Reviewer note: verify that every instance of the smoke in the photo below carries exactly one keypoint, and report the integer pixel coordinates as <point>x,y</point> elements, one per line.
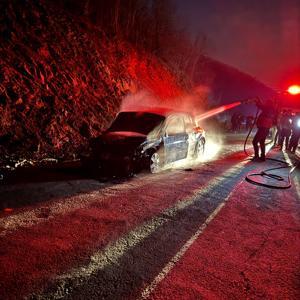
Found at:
<point>140,100</point>
<point>194,102</point>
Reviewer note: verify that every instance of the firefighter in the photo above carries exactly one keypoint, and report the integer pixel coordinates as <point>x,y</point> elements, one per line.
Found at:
<point>278,131</point>
<point>234,122</point>
<point>249,122</point>
<point>265,121</point>
<point>241,121</point>
<point>293,144</point>
<point>285,124</point>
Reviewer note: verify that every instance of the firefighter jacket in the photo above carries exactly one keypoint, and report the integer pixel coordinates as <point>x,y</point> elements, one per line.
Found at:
<point>267,118</point>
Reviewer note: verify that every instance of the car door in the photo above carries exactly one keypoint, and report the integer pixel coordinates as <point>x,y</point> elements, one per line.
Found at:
<point>192,134</point>
<point>175,139</point>
<point>184,138</point>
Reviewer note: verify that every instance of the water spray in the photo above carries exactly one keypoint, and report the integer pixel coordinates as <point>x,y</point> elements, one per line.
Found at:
<point>218,110</point>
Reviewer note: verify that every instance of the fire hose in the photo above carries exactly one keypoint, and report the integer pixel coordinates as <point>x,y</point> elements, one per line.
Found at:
<point>266,173</point>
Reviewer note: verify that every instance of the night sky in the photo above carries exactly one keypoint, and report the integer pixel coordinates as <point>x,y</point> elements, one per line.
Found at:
<point>259,37</point>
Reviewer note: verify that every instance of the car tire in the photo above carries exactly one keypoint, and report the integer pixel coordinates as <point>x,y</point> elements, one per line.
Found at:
<point>155,162</point>
<point>200,147</point>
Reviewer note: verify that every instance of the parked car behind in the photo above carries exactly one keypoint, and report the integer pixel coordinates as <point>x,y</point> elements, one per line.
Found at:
<point>147,139</point>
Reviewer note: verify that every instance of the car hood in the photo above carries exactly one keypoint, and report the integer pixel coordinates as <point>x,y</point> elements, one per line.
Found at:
<point>123,138</point>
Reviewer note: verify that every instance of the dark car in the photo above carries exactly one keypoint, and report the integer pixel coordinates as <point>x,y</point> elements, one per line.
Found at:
<point>148,139</point>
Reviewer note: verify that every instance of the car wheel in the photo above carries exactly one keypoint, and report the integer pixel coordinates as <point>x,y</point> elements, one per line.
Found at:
<point>155,162</point>
<point>200,148</point>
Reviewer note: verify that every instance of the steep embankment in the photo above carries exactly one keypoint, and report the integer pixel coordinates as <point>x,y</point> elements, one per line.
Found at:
<point>62,80</point>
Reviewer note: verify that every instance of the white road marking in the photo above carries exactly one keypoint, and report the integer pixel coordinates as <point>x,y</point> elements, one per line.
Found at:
<point>114,251</point>
<point>296,182</point>
<point>171,264</point>
<point>297,186</point>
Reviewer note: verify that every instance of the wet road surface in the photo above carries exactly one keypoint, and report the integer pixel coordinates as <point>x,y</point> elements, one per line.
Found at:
<point>199,232</point>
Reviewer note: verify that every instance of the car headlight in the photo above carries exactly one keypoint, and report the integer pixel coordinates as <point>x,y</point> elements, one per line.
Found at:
<point>298,122</point>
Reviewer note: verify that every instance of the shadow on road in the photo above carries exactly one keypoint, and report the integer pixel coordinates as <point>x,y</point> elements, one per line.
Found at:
<point>27,186</point>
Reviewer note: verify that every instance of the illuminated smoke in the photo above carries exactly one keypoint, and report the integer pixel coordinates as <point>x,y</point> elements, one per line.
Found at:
<point>140,100</point>
<point>193,102</point>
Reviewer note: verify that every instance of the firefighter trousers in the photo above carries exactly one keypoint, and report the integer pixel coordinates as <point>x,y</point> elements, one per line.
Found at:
<point>260,138</point>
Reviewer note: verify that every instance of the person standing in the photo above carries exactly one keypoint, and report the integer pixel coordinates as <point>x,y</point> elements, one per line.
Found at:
<point>242,121</point>
<point>265,121</point>
<point>294,141</point>
<point>285,130</point>
<point>278,130</point>
<point>234,122</point>
<point>249,122</point>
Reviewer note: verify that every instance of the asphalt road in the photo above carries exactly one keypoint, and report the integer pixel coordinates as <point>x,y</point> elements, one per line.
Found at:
<point>195,232</point>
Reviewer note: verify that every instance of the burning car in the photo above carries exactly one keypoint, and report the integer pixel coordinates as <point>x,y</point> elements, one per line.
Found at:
<point>148,139</point>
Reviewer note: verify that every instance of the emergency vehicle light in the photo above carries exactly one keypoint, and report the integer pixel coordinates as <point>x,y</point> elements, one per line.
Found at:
<point>294,89</point>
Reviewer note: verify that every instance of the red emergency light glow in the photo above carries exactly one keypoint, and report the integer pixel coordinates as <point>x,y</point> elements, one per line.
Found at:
<point>216,111</point>
<point>294,89</point>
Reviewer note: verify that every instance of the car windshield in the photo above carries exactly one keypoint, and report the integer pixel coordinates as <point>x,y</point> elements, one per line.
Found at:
<point>141,122</point>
